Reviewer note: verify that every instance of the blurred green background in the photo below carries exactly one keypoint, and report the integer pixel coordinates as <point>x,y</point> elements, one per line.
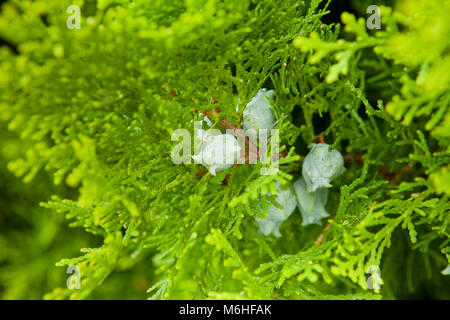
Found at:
<point>33,239</point>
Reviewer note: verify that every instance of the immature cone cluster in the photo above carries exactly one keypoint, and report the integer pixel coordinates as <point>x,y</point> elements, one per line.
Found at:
<point>321,166</point>
<point>276,216</point>
<point>257,114</point>
<point>311,204</point>
<point>311,194</point>
<point>217,152</point>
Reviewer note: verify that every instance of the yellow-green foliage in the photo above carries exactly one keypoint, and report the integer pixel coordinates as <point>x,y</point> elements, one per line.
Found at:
<point>94,108</point>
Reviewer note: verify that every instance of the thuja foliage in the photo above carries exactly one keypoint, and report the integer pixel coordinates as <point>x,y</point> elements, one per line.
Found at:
<point>87,117</point>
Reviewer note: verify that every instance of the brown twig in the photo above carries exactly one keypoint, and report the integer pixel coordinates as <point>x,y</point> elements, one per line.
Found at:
<point>320,238</point>
<point>320,139</point>
<point>200,174</point>
<point>225,180</point>
<point>170,90</point>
